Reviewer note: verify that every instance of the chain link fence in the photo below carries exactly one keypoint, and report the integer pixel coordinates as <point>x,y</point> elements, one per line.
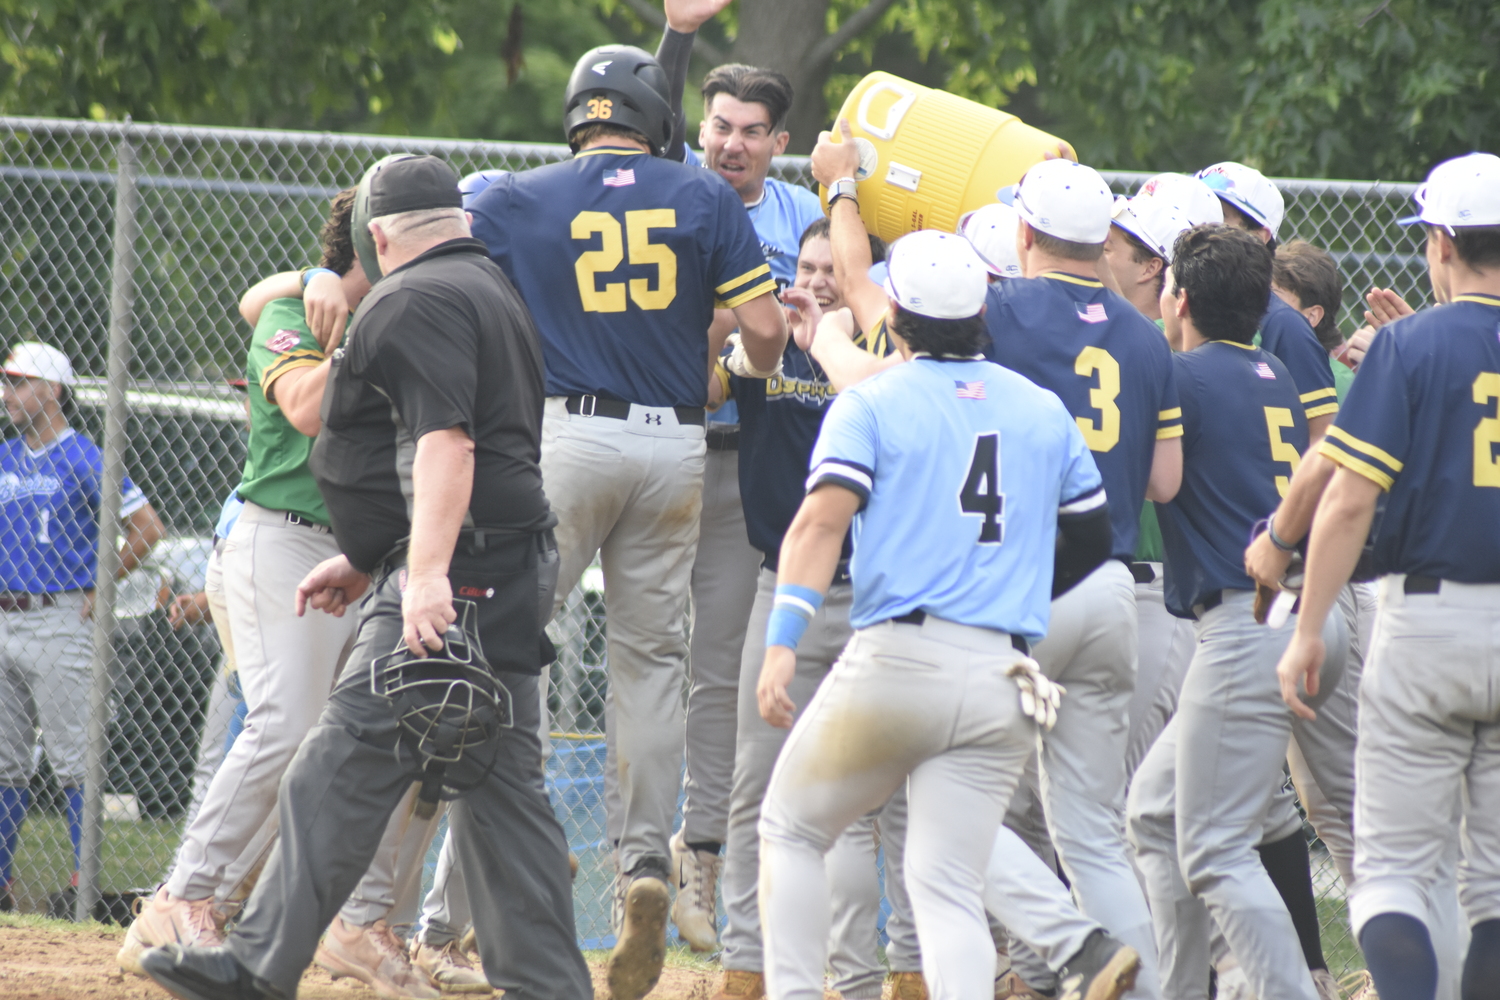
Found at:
<point>127,248</point>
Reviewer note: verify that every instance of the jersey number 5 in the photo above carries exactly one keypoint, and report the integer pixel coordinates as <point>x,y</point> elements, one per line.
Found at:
<point>1487,433</point>
<point>1278,418</point>
<point>591,263</point>
<point>980,494</point>
<point>1106,433</point>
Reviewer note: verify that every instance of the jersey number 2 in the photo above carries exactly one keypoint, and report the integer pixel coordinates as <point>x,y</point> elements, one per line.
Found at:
<point>591,263</point>
<point>981,494</point>
<point>1487,432</point>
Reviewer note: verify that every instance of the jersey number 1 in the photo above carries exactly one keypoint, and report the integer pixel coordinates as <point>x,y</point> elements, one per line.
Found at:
<point>981,494</point>
<point>638,226</point>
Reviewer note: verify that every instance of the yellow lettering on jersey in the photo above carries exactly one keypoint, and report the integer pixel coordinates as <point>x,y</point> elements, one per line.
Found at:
<point>638,226</point>
<point>1106,433</point>
<point>1278,418</point>
<point>610,298</point>
<point>600,107</point>
<point>1487,433</point>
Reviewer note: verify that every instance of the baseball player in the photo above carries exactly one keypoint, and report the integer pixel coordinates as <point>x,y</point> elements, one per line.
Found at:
<point>1419,428</point>
<point>1064,330</point>
<point>623,452</point>
<point>1200,799</point>
<point>926,691</point>
<point>49,532</point>
<point>1252,203</point>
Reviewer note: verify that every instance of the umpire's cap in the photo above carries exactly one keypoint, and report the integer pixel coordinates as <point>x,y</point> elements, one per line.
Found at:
<point>620,85</point>
<point>401,182</point>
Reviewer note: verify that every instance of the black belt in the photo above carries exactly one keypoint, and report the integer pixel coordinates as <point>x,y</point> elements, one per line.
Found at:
<point>917,617</point>
<point>1143,572</point>
<point>618,409</point>
<point>1416,583</point>
<point>13,601</point>
<point>722,437</point>
<point>1210,600</point>
<point>303,522</point>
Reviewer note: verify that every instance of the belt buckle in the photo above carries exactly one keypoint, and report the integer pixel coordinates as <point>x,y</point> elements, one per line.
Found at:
<point>592,404</point>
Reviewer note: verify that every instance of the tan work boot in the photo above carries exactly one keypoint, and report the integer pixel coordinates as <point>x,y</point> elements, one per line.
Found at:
<point>635,964</point>
<point>376,957</point>
<point>450,968</point>
<point>736,984</point>
<point>694,911</point>
<point>164,919</point>
<point>908,986</point>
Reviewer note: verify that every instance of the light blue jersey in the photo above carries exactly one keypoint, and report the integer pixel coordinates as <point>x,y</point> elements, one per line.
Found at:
<point>780,218</point>
<point>963,467</point>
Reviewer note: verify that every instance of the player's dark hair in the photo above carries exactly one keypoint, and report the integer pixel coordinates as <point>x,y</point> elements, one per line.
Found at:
<point>1140,253</point>
<point>820,230</point>
<point>751,85</point>
<point>581,137</point>
<point>1477,246</point>
<point>1226,273</point>
<point>1067,249</point>
<point>1310,273</point>
<point>955,338</point>
<point>335,238</point>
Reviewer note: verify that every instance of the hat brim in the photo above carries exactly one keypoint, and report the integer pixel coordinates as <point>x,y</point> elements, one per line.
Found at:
<point>1410,220</point>
<point>18,374</point>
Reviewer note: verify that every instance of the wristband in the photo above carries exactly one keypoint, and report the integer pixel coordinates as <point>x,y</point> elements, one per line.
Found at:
<point>790,614</point>
<point>1276,539</point>
<point>844,187</point>
<point>312,272</point>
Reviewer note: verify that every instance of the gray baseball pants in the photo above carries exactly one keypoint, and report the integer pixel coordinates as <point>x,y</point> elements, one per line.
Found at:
<point>1200,801</point>
<point>336,802</point>
<point>46,667</point>
<point>631,491</point>
<point>1164,645</point>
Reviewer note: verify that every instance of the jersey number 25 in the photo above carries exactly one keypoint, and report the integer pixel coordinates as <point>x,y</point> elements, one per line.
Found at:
<point>637,230</point>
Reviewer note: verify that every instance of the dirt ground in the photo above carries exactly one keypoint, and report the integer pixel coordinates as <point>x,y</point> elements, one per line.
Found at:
<point>50,960</point>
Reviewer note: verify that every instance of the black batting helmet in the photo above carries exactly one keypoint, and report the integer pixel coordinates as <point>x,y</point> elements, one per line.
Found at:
<point>620,85</point>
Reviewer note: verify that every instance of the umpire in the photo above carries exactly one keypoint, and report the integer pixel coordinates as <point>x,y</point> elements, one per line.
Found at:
<point>429,464</point>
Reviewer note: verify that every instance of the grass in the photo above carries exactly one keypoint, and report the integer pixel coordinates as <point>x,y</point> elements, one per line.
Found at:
<point>135,856</point>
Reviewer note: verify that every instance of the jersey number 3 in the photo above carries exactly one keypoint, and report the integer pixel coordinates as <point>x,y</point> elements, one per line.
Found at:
<point>592,263</point>
<point>1106,433</point>
<point>980,494</point>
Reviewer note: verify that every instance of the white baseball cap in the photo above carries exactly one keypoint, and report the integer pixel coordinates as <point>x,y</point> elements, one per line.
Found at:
<point>992,231</point>
<point>30,359</point>
<point>937,275</point>
<point>1464,191</point>
<point>1164,207</point>
<point>1248,190</point>
<point>1067,200</point>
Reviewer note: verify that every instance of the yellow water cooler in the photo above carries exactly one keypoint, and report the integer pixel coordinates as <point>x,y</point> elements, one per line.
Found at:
<point>937,156</point>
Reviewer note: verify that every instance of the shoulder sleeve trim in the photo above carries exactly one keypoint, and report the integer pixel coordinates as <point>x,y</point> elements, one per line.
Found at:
<point>850,475</point>
<point>1323,409</point>
<point>1092,500</point>
<point>740,298</point>
<point>1343,458</point>
<point>1175,413</point>
<point>1308,397</point>
<point>1349,441</point>
<point>747,276</point>
<point>1168,432</point>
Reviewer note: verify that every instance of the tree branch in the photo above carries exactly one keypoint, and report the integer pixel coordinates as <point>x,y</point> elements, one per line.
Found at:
<point>858,23</point>
<point>706,51</point>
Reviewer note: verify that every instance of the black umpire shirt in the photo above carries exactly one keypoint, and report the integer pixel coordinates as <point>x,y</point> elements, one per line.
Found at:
<point>442,341</point>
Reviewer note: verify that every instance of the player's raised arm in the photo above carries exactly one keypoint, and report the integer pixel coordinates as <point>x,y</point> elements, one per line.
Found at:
<point>833,162</point>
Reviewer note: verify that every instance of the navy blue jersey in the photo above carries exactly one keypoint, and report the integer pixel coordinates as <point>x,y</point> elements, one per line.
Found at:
<point>621,258</point>
<point>1243,434</point>
<point>779,423</point>
<point>1109,365</point>
<point>780,217</point>
<point>1286,333</point>
<point>1421,420</point>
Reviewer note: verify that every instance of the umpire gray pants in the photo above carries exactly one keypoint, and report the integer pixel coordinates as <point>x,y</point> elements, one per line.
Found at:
<point>342,788</point>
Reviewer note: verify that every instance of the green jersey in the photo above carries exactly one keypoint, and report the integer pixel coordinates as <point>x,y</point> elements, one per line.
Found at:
<point>276,473</point>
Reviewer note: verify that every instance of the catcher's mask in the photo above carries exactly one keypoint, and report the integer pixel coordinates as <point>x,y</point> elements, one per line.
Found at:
<point>448,704</point>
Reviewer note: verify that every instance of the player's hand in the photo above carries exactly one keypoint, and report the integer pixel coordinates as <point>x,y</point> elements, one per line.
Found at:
<point>1298,672</point>
<point>188,609</point>
<point>832,161</point>
<point>776,672</point>
<point>1265,563</point>
<point>804,316</point>
<point>426,612</point>
<point>1358,344</point>
<point>327,309</point>
<point>1040,696</point>
<point>835,326</point>
<point>1385,307</point>
<point>687,16</point>
<point>332,586</point>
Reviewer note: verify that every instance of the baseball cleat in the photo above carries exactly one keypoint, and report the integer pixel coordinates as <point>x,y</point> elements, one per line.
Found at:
<point>450,968</point>
<point>1011,986</point>
<point>204,974</point>
<point>737,984</point>
<point>697,877</point>
<point>376,957</point>
<point>1103,969</point>
<point>908,986</point>
<point>164,919</point>
<point>635,964</point>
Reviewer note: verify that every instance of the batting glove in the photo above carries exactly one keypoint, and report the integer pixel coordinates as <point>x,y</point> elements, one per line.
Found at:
<point>1040,696</point>
<point>738,361</point>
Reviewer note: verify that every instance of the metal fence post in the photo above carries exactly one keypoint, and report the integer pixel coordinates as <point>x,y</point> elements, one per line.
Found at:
<point>121,322</point>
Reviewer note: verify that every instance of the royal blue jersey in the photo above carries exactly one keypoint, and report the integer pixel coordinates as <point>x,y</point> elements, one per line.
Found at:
<point>49,513</point>
<point>621,258</point>
<point>1109,365</point>
<point>779,423</point>
<point>1286,333</point>
<point>963,468</point>
<point>1422,422</point>
<point>1243,434</point>
<point>780,217</point>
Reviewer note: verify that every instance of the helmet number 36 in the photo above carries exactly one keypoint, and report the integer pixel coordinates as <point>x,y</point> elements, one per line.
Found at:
<point>600,108</point>
<point>613,240</point>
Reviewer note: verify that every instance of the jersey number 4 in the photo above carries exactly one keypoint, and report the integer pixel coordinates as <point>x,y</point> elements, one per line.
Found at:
<point>980,494</point>
<point>637,232</point>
